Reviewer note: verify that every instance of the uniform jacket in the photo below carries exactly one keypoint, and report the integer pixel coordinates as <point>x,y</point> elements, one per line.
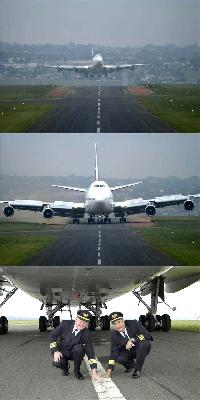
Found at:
<point>135,331</point>
<point>62,339</point>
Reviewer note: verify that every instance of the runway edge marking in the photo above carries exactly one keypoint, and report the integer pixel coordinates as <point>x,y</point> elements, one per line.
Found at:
<point>106,390</point>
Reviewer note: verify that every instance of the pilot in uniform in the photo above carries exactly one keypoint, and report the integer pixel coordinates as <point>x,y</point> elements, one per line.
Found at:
<point>71,340</point>
<point>129,345</point>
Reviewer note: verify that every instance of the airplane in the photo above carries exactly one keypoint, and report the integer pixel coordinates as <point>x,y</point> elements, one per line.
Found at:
<point>97,67</point>
<point>99,203</point>
<point>59,287</point>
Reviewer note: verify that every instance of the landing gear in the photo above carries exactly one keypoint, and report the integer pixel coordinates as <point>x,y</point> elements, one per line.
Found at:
<point>56,321</point>
<point>3,325</point>
<point>122,219</point>
<point>93,324</point>
<point>43,324</point>
<point>105,323</point>
<point>151,320</point>
<point>76,221</point>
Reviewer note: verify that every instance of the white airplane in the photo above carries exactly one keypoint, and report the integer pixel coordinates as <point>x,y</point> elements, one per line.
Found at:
<point>59,287</point>
<point>97,67</point>
<point>99,203</point>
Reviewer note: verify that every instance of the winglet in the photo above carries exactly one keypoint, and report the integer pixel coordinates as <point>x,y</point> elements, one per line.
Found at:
<point>96,164</point>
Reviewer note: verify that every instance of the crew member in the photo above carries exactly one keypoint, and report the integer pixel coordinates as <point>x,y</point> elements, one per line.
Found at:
<point>129,345</point>
<point>71,340</point>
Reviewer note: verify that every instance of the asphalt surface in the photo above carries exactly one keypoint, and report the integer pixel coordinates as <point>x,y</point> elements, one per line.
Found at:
<point>104,244</point>
<point>170,371</point>
<point>95,109</point>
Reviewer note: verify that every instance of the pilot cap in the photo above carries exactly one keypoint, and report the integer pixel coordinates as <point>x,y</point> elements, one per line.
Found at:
<point>84,315</point>
<point>115,316</point>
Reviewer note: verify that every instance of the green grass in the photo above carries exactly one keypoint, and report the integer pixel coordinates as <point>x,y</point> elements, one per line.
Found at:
<point>22,92</point>
<point>178,112</point>
<point>190,326</point>
<point>18,117</point>
<point>179,237</point>
<point>18,251</point>
<point>23,322</point>
<point>22,226</point>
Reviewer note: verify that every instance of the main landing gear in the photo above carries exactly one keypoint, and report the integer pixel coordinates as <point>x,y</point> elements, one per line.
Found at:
<point>3,319</point>
<point>76,221</point>
<point>122,219</point>
<point>98,319</point>
<point>99,220</point>
<point>151,321</point>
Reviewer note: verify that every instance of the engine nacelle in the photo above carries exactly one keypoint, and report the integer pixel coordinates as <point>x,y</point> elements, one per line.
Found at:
<point>8,211</point>
<point>132,67</point>
<point>189,205</point>
<point>150,210</point>
<point>59,69</point>
<point>48,213</point>
<point>117,68</point>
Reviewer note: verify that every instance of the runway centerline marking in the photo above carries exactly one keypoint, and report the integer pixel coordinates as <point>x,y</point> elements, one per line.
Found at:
<point>106,390</point>
<point>99,261</point>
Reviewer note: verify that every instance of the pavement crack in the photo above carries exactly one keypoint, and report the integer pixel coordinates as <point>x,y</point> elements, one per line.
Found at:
<point>167,389</point>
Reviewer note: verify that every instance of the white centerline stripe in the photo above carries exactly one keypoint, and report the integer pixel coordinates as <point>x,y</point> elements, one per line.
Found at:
<point>99,261</point>
<point>106,390</point>
<point>98,130</point>
<point>99,248</point>
<point>99,254</point>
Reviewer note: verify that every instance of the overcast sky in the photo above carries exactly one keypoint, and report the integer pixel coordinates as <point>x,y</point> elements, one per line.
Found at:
<point>101,22</point>
<point>187,307</point>
<point>132,155</point>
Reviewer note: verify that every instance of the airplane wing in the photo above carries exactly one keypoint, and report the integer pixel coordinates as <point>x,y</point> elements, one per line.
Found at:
<point>120,67</point>
<point>49,210</point>
<point>124,186</point>
<point>71,188</point>
<point>75,68</point>
<point>137,206</point>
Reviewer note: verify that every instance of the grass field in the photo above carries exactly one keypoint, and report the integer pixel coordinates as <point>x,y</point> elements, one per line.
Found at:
<point>19,117</point>
<point>174,105</point>
<point>190,326</point>
<point>179,237</point>
<point>21,92</point>
<point>18,251</point>
<point>22,226</point>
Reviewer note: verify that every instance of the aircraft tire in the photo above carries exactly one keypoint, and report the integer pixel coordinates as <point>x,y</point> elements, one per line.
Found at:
<point>42,324</point>
<point>56,321</point>
<point>166,323</point>
<point>3,325</point>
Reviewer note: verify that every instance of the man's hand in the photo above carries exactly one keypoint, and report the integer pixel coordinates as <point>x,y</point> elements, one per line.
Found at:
<point>95,375</point>
<point>57,356</point>
<point>108,373</point>
<point>129,344</point>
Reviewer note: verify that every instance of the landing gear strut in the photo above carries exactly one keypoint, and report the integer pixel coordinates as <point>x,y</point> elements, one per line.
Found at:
<point>151,320</point>
<point>76,220</point>
<point>122,219</point>
<point>3,319</point>
<point>98,319</point>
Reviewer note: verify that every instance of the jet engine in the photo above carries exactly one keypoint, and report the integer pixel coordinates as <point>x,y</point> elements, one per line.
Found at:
<point>189,205</point>
<point>48,213</point>
<point>8,211</point>
<point>59,69</point>
<point>150,210</point>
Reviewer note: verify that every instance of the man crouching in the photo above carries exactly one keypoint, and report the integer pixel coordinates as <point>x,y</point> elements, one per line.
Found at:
<point>71,340</point>
<point>130,345</point>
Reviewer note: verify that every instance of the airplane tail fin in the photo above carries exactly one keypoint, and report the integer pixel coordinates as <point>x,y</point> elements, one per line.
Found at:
<point>96,164</point>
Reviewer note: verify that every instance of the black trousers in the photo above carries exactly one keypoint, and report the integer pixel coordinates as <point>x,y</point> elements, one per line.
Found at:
<point>76,354</point>
<point>138,352</point>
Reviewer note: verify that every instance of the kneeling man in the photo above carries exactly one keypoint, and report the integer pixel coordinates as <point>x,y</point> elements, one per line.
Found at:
<point>71,340</point>
<point>130,345</point>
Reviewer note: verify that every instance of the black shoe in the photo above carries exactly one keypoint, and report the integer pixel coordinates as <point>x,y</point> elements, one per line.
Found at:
<point>79,375</point>
<point>136,373</point>
<point>65,372</point>
<point>128,369</point>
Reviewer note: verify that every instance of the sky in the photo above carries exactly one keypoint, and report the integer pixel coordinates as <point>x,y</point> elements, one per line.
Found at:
<point>187,307</point>
<point>100,22</point>
<point>132,155</point>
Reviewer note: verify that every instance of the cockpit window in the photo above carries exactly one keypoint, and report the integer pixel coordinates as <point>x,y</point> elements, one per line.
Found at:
<point>99,185</point>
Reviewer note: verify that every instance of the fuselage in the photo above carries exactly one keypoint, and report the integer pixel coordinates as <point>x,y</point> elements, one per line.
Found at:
<point>97,62</point>
<point>99,199</point>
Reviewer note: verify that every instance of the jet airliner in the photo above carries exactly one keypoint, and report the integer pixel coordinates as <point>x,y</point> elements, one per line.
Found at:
<point>97,67</point>
<point>99,203</point>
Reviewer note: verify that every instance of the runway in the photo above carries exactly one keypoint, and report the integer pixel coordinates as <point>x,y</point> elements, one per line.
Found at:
<point>170,371</point>
<point>98,109</point>
<point>88,245</point>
